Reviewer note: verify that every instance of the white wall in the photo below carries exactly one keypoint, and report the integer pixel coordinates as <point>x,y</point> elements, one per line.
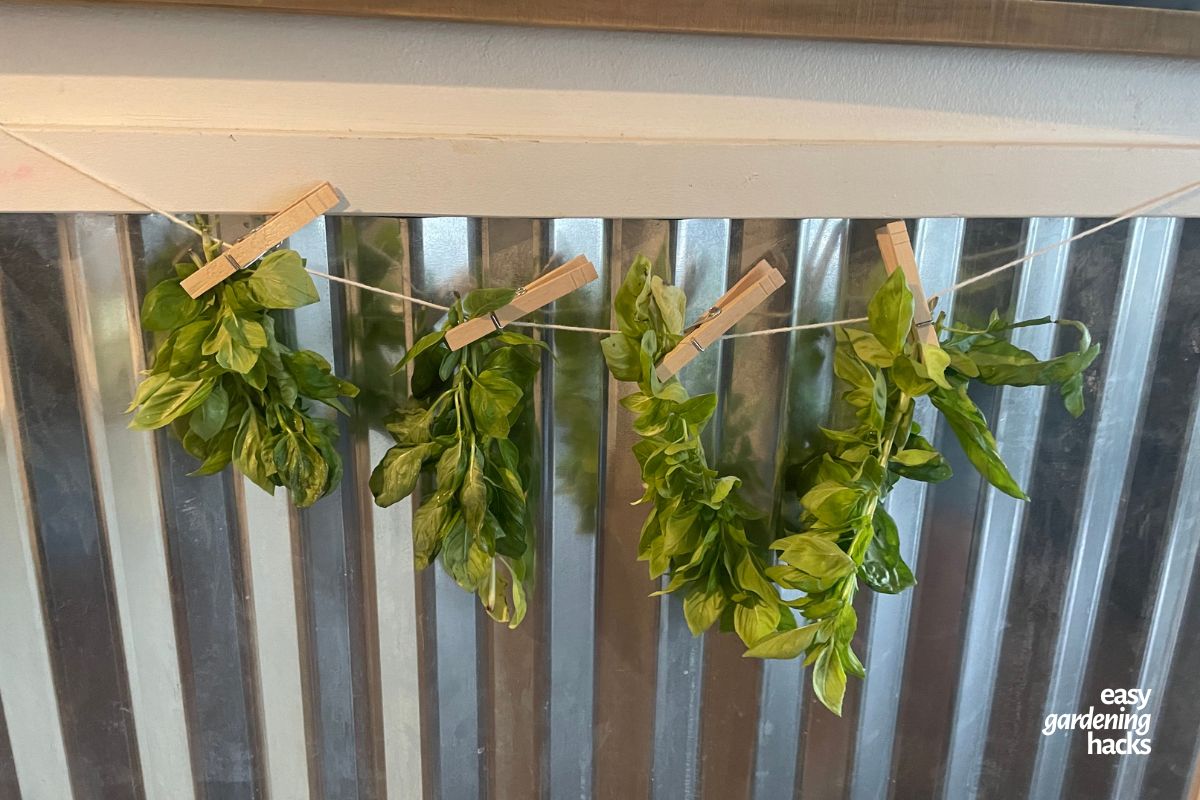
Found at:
<point>227,111</point>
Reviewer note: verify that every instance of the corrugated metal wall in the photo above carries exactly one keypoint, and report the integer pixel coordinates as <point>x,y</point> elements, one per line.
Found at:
<point>168,636</point>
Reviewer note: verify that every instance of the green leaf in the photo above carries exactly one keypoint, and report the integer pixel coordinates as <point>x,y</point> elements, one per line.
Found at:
<point>209,418</point>
<point>890,313</point>
<point>829,677</point>
<point>868,347</point>
<point>493,398</point>
<point>883,568</point>
<point>818,557</point>
<point>753,622</point>
<point>485,301</point>
<point>314,378</point>
<point>623,357</point>
<point>971,430</point>
<point>671,303</point>
<point>395,476</point>
<point>185,348</point>
<point>784,644</point>
<point>410,426</point>
<point>235,342</point>
<point>935,361</point>
<point>171,399</point>
<point>300,468</point>
<point>831,503</point>
<point>701,609</point>
<point>149,385</point>
<point>250,454</point>
<point>914,458</point>
<point>168,306</point>
<point>428,522</point>
<point>933,470</point>
<point>424,343</point>
<point>697,411</point>
<point>629,303</point>
<point>722,488</point>
<point>279,281</point>
<point>473,494</point>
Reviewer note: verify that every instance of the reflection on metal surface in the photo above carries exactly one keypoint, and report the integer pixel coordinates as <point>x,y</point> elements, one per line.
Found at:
<point>99,300</point>
<point>193,631</point>
<point>1149,263</point>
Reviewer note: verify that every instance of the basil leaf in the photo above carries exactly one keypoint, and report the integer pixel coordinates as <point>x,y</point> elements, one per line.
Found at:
<point>172,399</point>
<point>485,301</point>
<point>395,477</point>
<point>493,399</point>
<point>784,644</point>
<point>890,313</point>
<point>209,418</point>
<point>970,428</point>
<point>883,569</point>
<point>279,281</point>
<point>167,306</point>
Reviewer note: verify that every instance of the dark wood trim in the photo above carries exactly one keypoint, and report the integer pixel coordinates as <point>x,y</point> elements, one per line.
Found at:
<point>1043,24</point>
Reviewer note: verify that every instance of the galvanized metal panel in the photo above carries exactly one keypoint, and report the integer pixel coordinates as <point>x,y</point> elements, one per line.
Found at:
<point>27,686</point>
<point>1150,260</point>
<point>700,266</point>
<point>446,260</point>
<point>376,252</point>
<point>212,615</point>
<point>814,292</point>
<point>86,655</point>
<point>626,617</point>
<point>100,290</point>
<point>1041,283</point>
<point>576,386</point>
<point>332,555</point>
<point>313,660</point>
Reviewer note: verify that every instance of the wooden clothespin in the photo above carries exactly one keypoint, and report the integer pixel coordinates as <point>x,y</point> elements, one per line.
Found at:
<point>258,241</point>
<point>753,287</point>
<point>898,252</point>
<point>544,290</point>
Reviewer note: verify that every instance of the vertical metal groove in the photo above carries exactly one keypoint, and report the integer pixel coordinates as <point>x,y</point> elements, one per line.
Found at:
<point>26,678</point>
<point>626,618</point>
<point>274,599</point>
<point>820,261</point>
<point>376,252</point>
<point>751,416</point>
<point>998,529</point>
<point>99,283</point>
<point>513,711</point>
<point>937,245</point>
<point>575,434</point>
<point>86,655</point>
<point>445,260</point>
<point>700,264</point>
<point>1150,262</point>
<point>1174,582</point>
<point>207,586</point>
<point>333,555</point>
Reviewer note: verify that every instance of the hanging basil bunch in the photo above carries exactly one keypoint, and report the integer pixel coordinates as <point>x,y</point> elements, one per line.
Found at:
<point>696,529</point>
<point>231,391</point>
<point>846,533</point>
<point>465,423</point>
